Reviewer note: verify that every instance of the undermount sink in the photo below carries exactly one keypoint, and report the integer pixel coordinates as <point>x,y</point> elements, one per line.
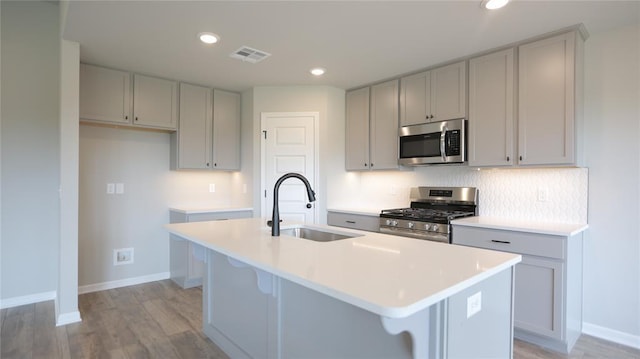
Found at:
<point>314,234</point>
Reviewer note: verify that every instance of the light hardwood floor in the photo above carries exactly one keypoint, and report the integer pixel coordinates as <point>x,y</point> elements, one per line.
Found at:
<point>161,320</point>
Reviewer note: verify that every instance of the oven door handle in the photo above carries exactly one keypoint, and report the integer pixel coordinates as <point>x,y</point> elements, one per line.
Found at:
<point>443,136</point>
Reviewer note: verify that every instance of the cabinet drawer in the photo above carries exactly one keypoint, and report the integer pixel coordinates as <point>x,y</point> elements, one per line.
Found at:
<point>542,245</point>
<point>217,216</point>
<point>354,221</point>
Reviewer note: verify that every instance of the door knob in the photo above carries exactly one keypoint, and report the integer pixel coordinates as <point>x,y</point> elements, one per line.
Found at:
<point>308,205</point>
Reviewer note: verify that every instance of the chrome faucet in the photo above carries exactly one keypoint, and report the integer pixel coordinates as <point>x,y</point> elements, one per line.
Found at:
<point>275,217</point>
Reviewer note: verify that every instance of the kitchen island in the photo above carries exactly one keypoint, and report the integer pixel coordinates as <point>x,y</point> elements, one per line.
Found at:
<point>371,295</point>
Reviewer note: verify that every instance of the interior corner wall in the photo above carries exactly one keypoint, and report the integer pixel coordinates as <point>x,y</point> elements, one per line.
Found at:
<point>612,146</point>
<point>30,148</point>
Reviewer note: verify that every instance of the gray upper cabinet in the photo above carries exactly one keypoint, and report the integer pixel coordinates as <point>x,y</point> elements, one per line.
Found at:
<point>372,127</point>
<point>383,145</point>
<point>194,138</point>
<point>548,101</point>
<point>105,94</point>
<point>492,109</point>
<point>435,95</point>
<point>226,130</point>
<point>357,130</point>
<point>208,136</point>
<point>155,102</point>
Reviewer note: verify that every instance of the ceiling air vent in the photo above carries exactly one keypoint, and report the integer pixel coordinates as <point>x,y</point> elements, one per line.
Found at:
<point>245,53</point>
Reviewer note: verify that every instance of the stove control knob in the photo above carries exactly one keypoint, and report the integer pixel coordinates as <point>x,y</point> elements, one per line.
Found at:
<point>388,222</point>
<point>410,224</point>
<point>435,227</point>
<point>427,226</point>
<point>394,223</point>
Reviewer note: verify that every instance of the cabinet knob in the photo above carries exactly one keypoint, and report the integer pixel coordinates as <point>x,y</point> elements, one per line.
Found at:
<point>372,165</point>
<point>366,165</point>
<point>431,116</point>
<point>308,205</point>
<point>508,158</point>
<point>136,118</point>
<point>126,117</point>
<point>520,158</point>
<point>207,164</point>
<point>215,165</point>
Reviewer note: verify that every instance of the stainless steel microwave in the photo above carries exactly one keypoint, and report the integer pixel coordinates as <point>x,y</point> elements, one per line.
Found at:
<point>432,143</point>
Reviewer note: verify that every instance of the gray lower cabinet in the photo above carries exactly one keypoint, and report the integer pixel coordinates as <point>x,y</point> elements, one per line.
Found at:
<point>548,282</point>
<point>362,222</point>
<point>187,258</point>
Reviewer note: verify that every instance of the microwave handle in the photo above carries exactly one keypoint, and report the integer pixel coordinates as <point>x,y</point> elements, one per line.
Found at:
<point>443,136</point>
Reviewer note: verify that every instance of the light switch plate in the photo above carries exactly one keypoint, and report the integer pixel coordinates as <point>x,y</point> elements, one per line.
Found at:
<point>119,188</point>
<point>212,187</point>
<point>474,304</point>
<point>111,188</point>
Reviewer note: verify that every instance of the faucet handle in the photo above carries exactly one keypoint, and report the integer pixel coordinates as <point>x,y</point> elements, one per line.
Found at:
<point>270,223</point>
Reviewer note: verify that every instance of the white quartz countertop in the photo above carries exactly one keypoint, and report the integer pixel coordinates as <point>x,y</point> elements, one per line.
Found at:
<point>552,228</point>
<point>358,211</point>
<point>198,210</point>
<point>388,275</point>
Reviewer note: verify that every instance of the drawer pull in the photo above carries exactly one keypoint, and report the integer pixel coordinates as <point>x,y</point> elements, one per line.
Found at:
<point>351,222</point>
<point>503,242</point>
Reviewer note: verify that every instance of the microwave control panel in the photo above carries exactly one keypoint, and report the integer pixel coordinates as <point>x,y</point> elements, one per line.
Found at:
<point>452,140</point>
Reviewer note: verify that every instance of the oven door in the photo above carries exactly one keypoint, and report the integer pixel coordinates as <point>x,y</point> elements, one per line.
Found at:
<point>404,232</point>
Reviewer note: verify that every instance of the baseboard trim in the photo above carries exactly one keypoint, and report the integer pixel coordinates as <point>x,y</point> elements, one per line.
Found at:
<point>123,283</point>
<point>27,299</point>
<point>611,335</point>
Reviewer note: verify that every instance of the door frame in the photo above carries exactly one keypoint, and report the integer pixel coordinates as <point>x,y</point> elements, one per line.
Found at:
<point>264,118</point>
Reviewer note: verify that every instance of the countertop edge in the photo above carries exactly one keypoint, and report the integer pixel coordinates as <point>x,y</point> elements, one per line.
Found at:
<point>186,210</point>
<point>550,228</point>
<point>360,212</point>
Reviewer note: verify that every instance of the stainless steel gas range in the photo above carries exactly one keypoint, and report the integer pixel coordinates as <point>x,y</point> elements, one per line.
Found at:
<point>430,214</point>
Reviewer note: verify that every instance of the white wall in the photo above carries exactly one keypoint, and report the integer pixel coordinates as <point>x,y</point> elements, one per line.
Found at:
<point>30,148</point>
<point>329,102</point>
<point>612,145</point>
<point>140,160</point>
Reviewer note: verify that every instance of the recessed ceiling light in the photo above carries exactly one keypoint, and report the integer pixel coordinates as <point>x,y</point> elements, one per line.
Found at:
<point>318,71</point>
<point>493,4</point>
<point>208,37</point>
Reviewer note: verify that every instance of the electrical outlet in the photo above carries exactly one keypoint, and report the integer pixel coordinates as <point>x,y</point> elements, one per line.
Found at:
<point>212,187</point>
<point>122,256</point>
<point>111,188</point>
<point>543,194</point>
<point>474,304</point>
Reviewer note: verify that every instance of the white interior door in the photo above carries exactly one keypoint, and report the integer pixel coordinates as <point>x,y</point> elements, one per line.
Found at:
<point>289,145</point>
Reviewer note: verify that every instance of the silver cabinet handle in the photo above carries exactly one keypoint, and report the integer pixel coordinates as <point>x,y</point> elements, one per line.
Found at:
<point>351,222</point>
<point>501,242</point>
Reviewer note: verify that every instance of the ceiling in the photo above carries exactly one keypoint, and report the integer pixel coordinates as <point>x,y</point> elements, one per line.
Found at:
<point>358,42</point>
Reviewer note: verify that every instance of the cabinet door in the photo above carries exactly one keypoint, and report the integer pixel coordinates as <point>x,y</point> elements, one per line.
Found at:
<point>155,102</point>
<point>357,130</point>
<point>546,101</point>
<point>415,99</point>
<point>194,130</point>
<point>491,109</point>
<point>226,130</point>
<point>448,92</point>
<point>539,296</point>
<point>383,142</point>
<point>105,94</point>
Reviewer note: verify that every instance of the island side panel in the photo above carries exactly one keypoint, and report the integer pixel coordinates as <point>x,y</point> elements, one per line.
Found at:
<point>316,325</point>
<point>480,319</point>
<point>236,313</point>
